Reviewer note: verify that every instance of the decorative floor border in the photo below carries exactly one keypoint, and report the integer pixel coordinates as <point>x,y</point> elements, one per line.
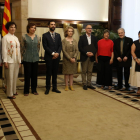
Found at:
<point>23,127</point>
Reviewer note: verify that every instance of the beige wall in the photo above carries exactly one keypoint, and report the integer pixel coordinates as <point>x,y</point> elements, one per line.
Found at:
<point>20,15</point>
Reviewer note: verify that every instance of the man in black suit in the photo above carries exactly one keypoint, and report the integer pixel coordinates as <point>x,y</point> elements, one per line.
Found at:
<point>122,52</point>
<point>52,46</point>
<point>87,57</point>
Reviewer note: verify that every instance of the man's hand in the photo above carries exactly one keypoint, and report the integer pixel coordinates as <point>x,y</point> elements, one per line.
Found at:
<point>119,59</point>
<point>125,59</point>
<point>89,54</point>
<point>6,65</point>
<point>56,55</point>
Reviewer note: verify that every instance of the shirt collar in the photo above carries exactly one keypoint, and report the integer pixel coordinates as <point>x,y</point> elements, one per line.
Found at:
<point>88,36</point>
<point>11,34</point>
<point>51,33</point>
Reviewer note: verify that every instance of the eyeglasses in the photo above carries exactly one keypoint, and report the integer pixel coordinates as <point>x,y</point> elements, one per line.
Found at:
<point>89,28</point>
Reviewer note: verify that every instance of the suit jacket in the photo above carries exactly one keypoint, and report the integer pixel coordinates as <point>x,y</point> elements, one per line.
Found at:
<point>50,46</point>
<point>126,51</point>
<point>83,41</point>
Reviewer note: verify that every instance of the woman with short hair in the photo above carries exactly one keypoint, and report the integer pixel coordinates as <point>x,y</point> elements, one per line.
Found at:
<point>104,58</point>
<point>30,46</point>
<point>70,53</point>
<point>11,58</point>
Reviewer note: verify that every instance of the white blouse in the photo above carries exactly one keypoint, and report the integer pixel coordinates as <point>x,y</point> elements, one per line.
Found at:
<point>10,44</point>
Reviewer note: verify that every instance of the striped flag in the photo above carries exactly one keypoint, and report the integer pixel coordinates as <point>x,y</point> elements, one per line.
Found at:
<point>6,16</point>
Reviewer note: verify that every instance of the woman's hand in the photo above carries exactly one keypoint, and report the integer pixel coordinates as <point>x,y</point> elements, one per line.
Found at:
<point>72,60</point>
<point>96,60</point>
<point>138,61</point>
<point>6,65</point>
<point>111,61</point>
<point>19,65</point>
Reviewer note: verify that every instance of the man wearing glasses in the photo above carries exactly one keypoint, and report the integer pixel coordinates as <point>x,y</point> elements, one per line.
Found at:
<point>87,47</point>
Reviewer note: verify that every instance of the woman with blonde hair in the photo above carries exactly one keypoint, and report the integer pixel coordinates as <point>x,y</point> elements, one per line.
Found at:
<point>70,52</point>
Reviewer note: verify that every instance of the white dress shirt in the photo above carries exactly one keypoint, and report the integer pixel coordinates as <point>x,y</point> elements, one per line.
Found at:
<point>10,44</point>
<point>89,39</point>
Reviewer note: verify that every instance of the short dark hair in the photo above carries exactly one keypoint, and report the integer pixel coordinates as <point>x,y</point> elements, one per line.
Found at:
<point>138,32</point>
<point>8,24</point>
<point>29,26</point>
<point>51,21</point>
<point>106,31</point>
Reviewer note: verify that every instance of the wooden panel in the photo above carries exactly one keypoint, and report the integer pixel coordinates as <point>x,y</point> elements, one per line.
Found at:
<point>115,10</point>
<point>59,22</point>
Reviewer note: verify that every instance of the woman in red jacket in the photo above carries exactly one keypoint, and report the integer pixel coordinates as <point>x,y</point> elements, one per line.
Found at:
<point>104,58</point>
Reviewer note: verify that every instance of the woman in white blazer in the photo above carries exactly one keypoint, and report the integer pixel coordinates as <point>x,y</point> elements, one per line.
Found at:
<point>11,58</point>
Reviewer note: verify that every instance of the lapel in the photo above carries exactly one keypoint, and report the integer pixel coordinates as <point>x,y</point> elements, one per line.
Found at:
<point>92,40</point>
<point>49,35</point>
<point>86,39</point>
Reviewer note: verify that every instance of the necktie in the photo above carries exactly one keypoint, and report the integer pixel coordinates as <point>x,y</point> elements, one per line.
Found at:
<point>53,37</point>
<point>121,47</point>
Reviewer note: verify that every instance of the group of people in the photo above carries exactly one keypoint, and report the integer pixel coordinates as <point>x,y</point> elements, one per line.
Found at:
<point>104,52</point>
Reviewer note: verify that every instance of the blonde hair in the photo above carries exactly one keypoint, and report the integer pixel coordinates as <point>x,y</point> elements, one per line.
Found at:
<point>66,30</point>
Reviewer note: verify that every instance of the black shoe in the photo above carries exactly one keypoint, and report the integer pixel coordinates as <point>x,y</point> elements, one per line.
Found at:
<point>47,91</point>
<point>127,88</point>
<point>85,87</point>
<point>56,90</point>
<point>91,87</point>
<point>26,94</point>
<point>118,88</point>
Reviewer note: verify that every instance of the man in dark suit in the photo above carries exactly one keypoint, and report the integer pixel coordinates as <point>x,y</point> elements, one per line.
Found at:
<point>87,57</point>
<point>52,46</point>
<point>122,52</point>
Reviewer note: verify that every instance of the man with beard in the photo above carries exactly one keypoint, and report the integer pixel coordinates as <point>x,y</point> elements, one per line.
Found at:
<point>52,46</point>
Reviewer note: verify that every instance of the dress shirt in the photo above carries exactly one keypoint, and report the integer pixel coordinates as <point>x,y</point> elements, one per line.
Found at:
<point>89,39</point>
<point>11,49</point>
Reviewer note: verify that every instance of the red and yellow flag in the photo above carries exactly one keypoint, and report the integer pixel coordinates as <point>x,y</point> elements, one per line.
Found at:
<point>6,16</point>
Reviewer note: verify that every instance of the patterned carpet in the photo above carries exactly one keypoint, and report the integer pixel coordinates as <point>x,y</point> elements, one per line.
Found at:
<point>14,125</point>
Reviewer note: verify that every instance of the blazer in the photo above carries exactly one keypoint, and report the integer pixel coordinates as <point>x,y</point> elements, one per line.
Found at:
<point>126,51</point>
<point>83,41</point>
<point>9,44</point>
<point>50,46</point>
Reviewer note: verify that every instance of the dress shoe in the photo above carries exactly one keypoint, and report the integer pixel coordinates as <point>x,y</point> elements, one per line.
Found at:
<point>47,91</point>
<point>85,87</point>
<point>127,88</point>
<point>118,88</point>
<point>91,87</point>
<point>26,94</point>
<point>71,88</point>
<point>56,90</point>
<point>66,88</point>
<point>35,93</point>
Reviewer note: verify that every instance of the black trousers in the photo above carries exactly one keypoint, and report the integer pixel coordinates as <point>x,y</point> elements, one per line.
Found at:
<point>120,76</point>
<point>51,70</point>
<point>104,73</point>
<point>30,72</point>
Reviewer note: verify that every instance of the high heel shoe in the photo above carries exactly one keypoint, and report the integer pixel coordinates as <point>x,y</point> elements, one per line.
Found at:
<point>71,88</point>
<point>66,88</point>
